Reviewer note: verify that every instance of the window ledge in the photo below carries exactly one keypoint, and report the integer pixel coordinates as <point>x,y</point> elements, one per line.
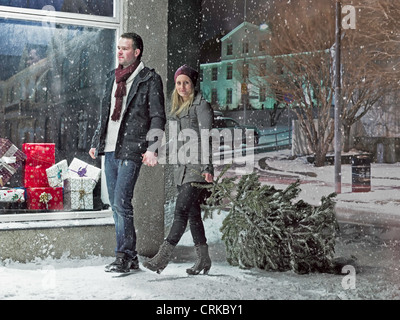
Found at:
<point>55,220</point>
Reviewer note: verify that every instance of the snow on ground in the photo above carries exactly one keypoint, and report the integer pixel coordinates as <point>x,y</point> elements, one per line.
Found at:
<point>376,276</point>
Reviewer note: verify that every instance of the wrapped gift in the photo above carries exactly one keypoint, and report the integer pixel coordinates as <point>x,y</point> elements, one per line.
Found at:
<point>78,193</point>
<point>39,157</point>
<point>35,177</point>
<point>57,173</point>
<point>40,153</point>
<point>12,195</point>
<point>81,169</point>
<point>11,158</point>
<point>44,198</point>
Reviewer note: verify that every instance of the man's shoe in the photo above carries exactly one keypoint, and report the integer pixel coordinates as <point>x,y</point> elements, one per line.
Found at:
<point>122,264</point>
<point>134,263</point>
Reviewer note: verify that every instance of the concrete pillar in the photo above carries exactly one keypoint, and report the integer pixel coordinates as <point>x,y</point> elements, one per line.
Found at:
<point>170,32</point>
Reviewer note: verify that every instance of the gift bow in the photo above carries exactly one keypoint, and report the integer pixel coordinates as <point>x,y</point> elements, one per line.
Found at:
<point>45,198</point>
<point>6,161</point>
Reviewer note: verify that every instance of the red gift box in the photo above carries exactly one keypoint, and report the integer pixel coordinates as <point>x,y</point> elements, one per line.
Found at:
<point>46,198</point>
<point>35,177</point>
<point>40,153</point>
<point>40,156</point>
<point>11,158</point>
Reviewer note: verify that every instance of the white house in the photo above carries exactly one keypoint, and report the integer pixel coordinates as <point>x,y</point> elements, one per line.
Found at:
<point>226,84</point>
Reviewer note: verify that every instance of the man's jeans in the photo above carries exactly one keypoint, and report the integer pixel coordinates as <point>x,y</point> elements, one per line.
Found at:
<point>121,177</point>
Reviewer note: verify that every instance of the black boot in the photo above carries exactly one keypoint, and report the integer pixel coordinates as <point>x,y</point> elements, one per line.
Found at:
<point>161,259</point>
<point>123,264</point>
<point>203,261</point>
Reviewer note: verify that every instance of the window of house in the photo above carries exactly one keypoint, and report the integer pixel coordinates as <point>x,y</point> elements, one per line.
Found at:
<point>229,95</point>
<point>229,71</point>
<point>214,74</point>
<point>229,49</point>
<point>245,47</point>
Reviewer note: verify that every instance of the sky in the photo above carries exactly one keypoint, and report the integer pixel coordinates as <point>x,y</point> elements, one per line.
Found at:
<point>221,16</point>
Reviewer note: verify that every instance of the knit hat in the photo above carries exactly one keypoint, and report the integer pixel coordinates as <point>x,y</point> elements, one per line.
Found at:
<point>187,71</point>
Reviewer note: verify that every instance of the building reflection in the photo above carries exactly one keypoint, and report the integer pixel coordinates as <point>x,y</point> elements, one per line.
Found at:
<point>54,95</point>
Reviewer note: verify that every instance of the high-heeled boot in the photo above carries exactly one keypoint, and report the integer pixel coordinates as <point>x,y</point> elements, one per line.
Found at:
<point>203,262</point>
<point>161,259</point>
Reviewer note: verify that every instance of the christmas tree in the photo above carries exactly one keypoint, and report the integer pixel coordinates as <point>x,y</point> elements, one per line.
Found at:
<point>268,229</point>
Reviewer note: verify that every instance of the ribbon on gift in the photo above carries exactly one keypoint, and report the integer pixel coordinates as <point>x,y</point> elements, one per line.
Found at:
<point>82,197</point>
<point>5,163</point>
<point>81,172</point>
<point>58,174</point>
<point>45,198</point>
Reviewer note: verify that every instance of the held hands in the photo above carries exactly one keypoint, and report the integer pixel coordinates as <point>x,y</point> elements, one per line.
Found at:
<point>150,158</point>
<point>92,153</point>
<point>208,176</point>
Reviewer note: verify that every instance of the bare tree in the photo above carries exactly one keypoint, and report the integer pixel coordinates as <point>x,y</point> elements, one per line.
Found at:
<point>299,70</point>
<point>300,65</point>
<point>370,59</point>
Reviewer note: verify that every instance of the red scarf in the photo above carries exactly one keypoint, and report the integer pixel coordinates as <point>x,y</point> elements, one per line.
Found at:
<point>121,75</point>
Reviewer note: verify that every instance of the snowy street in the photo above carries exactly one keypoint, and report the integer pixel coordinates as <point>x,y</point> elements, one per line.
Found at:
<point>377,277</point>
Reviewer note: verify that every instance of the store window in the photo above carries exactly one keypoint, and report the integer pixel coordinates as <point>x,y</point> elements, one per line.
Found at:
<point>52,73</point>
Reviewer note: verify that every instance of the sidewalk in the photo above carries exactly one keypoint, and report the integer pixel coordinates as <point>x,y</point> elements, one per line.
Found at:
<point>379,208</point>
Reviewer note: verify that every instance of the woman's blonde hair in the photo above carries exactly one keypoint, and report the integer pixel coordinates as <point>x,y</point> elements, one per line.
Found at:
<point>177,103</point>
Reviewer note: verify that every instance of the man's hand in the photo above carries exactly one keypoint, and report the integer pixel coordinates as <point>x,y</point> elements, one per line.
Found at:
<point>150,158</point>
<point>92,153</point>
<point>208,176</point>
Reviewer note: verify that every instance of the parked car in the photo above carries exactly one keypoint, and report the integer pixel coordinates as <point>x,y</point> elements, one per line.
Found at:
<point>221,123</point>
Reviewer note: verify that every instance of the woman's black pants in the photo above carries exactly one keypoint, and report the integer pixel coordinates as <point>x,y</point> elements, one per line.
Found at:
<point>188,209</point>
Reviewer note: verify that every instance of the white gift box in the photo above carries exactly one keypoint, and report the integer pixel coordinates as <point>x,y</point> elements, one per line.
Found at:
<point>81,169</point>
<point>78,193</point>
<point>57,173</point>
<point>12,195</point>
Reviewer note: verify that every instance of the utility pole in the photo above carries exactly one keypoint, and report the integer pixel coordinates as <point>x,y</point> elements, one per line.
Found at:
<point>338,101</point>
<point>245,92</point>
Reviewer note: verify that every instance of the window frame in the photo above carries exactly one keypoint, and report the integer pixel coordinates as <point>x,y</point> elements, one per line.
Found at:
<point>48,16</point>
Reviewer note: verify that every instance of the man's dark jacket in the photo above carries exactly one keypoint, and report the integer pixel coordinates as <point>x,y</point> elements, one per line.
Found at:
<point>144,111</point>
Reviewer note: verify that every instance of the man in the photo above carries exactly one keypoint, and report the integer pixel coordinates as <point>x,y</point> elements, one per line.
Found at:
<point>133,104</point>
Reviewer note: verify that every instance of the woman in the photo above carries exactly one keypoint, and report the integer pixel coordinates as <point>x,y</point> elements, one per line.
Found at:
<point>191,111</point>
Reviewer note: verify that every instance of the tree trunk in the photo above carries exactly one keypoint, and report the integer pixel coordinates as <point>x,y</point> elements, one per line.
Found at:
<point>346,137</point>
<point>320,158</point>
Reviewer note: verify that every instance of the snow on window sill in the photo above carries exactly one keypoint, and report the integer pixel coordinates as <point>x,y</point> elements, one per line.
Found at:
<point>55,219</point>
